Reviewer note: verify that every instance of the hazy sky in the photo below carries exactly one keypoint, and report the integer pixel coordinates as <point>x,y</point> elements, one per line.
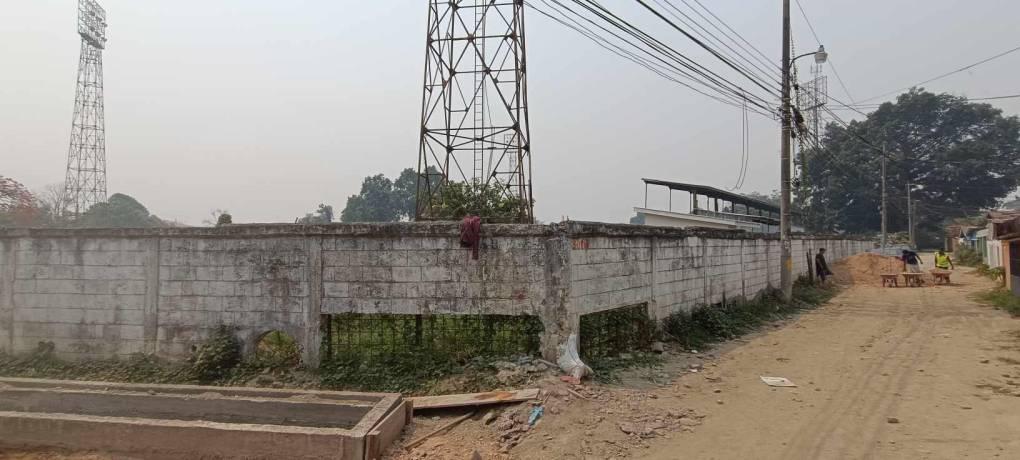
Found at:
<point>267,108</point>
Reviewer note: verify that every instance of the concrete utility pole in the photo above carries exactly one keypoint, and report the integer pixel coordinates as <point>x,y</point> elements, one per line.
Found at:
<point>910,217</point>
<point>884,213</point>
<point>785,242</point>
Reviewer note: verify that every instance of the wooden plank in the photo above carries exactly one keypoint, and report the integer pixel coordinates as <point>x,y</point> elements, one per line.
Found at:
<point>473,399</point>
<point>387,431</point>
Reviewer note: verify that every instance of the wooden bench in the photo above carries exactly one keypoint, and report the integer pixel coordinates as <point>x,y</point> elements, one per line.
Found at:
<point>890,280</point>
<point>941,276</point>
<point>914,279</point>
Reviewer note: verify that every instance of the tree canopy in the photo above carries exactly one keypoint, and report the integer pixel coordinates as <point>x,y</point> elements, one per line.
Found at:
<point>384,200</point>
<point>322,215</point>
<point>958,157</point>
<point>118,211</point>
<point>18,206</point>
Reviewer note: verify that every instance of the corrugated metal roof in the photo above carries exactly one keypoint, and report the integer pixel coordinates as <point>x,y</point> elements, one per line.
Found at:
<point>713,192</point>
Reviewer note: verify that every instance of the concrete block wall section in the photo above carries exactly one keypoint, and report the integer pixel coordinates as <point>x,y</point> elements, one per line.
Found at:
<point>611,272</point>
<point>99,293</point>
<point>254,285</point>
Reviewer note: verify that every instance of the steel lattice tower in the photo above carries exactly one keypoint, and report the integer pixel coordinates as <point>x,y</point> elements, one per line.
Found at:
<point>86,159</point>
<point>474,121</point>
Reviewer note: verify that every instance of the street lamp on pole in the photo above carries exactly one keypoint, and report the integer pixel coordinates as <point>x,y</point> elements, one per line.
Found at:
<point>785,220</point>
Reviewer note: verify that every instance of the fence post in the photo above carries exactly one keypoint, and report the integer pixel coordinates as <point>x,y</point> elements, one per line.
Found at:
<point>810,267</point>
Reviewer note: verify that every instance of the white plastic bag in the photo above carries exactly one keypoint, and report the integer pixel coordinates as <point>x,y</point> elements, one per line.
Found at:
<point>570,361</point>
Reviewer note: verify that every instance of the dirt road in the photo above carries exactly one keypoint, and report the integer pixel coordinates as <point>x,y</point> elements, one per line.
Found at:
<point>944,367</point>
<point>882,373</point>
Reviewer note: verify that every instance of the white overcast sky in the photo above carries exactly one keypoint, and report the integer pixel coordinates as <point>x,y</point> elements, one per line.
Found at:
<point>267,108</point>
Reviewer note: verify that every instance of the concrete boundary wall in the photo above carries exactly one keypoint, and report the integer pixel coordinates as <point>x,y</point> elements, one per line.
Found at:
<point>115,292</point>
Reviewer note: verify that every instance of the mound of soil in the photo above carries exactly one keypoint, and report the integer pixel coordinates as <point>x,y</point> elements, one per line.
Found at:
<point>865,268</point>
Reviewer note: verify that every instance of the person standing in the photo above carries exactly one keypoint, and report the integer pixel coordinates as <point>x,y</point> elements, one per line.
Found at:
<point>943,262</point>
<point>911,261</point>
<point>821,267</point>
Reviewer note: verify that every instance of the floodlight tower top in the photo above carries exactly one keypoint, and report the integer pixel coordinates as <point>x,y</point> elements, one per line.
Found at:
<point>92,23</point>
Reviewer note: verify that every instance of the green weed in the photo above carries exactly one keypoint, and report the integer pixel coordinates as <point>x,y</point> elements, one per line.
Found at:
<point>711,324</point>
<point>1002,299</point>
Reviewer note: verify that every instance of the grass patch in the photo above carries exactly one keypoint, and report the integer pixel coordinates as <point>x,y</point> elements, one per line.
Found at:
<point>712,324</point>
<point>1002,299</point>
<point>608,368</point>
<point>410,372</point>
<point>967,257</point>
<point>995,274</point>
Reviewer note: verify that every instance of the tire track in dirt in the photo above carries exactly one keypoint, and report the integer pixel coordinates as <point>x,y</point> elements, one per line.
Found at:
<point>864,394</point>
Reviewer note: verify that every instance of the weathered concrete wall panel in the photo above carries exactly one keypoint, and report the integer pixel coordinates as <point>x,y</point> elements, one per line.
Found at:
<point>117,292</point>
<point>255,285</point>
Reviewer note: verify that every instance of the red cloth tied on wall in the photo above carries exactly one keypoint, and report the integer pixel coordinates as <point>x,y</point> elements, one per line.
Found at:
<point>471,234</point>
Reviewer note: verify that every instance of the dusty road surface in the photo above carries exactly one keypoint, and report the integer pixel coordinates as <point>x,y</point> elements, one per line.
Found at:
<point>882,373</point>
<point>902,373</point>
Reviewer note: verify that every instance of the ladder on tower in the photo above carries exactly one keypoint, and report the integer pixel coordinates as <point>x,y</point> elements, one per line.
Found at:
<point>478,102</point>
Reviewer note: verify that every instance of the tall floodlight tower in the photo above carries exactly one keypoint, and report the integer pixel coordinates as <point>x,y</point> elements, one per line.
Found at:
<point>474,120</point>
<point>811,98</point>
<point>86,159</point>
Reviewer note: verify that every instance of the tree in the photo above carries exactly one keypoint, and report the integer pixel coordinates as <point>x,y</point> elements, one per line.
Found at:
<point>405,191</point>
<point>218,217</point>
<point>959,157</point>
<point>459,199</point>
<point>18,207</point>
<point>375,203</point>
<point>323,215</point>
<point>772,198</point>
<point>118,211</point>
<point>54,203</point>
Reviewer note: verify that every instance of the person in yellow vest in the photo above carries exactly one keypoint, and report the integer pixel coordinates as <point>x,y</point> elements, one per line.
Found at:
<point>942,261</point>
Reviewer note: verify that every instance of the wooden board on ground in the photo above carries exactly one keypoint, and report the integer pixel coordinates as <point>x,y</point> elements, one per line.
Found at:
<point>473,399</point>
<point>386,432</point>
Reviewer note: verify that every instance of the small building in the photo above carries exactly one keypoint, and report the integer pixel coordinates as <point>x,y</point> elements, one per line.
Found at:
<point>709,207</point>
<point>993,253</point>
<point>1008,234</point>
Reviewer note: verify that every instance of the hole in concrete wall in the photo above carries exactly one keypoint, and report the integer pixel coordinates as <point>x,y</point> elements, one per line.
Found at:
<point>277,349</point>
<point>620,330</point>
<point>457,337</point>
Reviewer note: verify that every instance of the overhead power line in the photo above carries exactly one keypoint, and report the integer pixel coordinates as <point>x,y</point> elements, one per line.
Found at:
<point>961,69</point>
<point>667,72</point>
<point>707,35</point>
<point>649,51</point>
<point>766,58</point>
<point>705,47</point>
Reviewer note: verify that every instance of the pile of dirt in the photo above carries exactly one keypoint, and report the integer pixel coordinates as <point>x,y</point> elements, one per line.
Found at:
<point>865,268</point>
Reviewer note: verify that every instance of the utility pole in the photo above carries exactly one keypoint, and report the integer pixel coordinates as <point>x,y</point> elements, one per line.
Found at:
<point>910,217</point>
<point>785,243</point>
<point>884,213</point>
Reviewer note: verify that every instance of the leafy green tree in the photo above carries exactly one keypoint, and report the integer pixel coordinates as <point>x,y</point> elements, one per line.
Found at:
<point>405,191</point>
<point>323,215</point>
<point>118,211</point>
<point>375,202</point>
<point>959,157</point>
<point>459,199</point>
